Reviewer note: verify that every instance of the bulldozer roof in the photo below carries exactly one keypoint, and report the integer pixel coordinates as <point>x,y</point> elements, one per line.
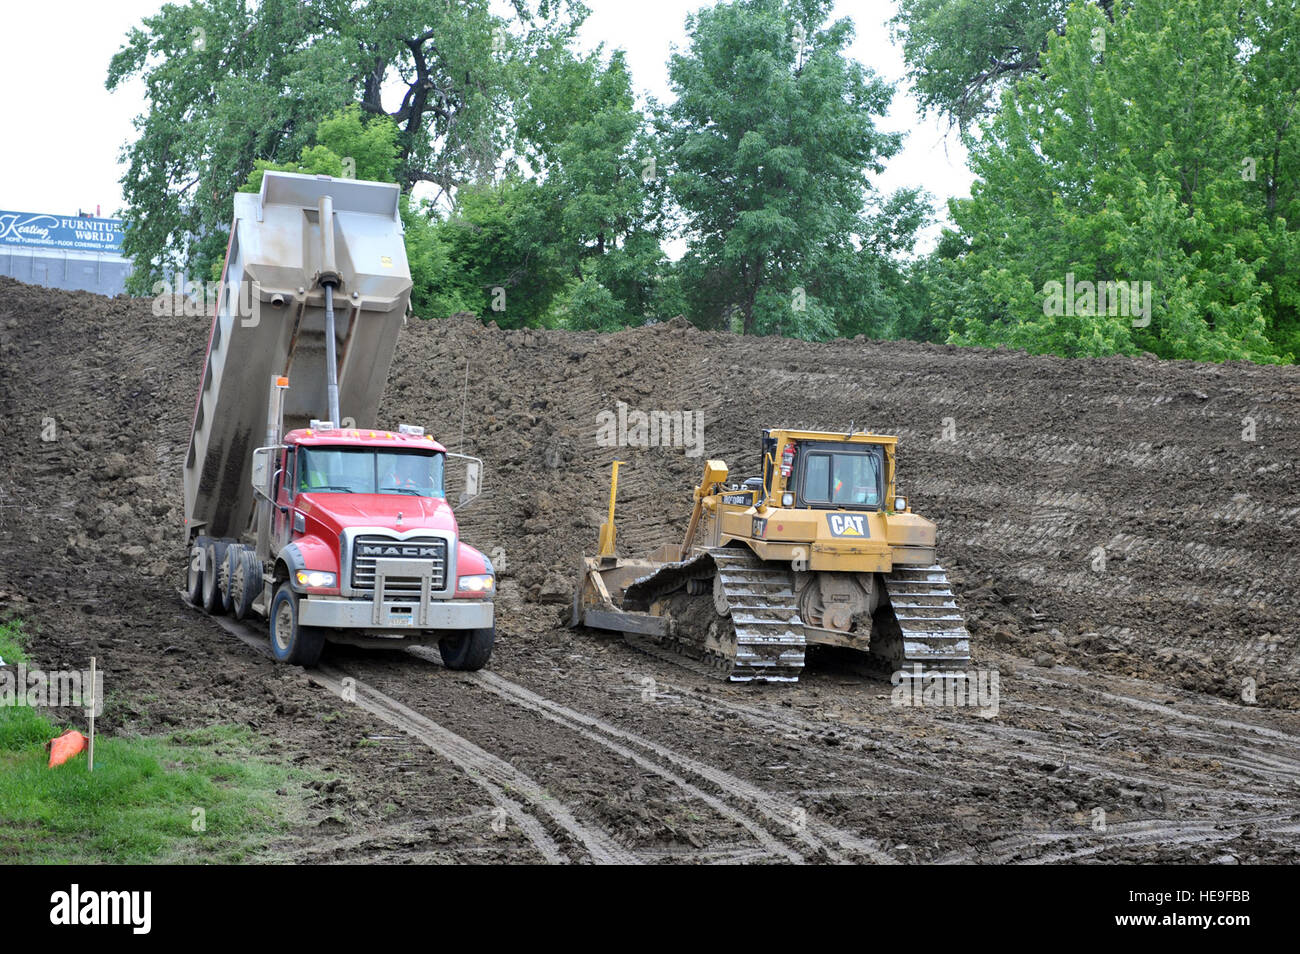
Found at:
<point>856,437</point>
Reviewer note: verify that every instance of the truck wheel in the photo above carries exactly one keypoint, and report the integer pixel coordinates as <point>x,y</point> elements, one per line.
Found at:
<point>194,572</point>
<point>213,554</point>
<point>468,651</point>
<point>224,578</point>
<point>245,571</point>
<point>291,643</point>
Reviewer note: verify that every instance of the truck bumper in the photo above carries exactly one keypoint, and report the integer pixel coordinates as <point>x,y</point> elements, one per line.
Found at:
<point>336,612</point>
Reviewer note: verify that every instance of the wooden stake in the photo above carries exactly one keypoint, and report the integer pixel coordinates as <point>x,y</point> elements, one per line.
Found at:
<point>90,758</point>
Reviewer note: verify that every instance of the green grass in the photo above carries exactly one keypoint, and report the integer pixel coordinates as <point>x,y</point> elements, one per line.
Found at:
<point>13,642</point>
<point>146,797</point>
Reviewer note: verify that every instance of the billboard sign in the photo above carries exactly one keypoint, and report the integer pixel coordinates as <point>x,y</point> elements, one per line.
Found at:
<point>37,230</point>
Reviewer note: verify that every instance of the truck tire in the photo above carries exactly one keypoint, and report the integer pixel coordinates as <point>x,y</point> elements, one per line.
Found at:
<point>468,651</point>
<point>213,600</point>
<point>194,572</point>
<point>291,643</point>
<point>245,571</point>
<point>224,578</point>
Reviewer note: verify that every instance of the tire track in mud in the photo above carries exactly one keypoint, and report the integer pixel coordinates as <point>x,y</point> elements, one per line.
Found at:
<point>1147,832</point>
<point>1002,742</point>
<point>1277,764</point>
<point>401,834</point>
<point>1011,739</point>
<point>770,845</point>
<point>1157,708</point>
<point>816,834</point>
<point>494,775</point>
<point>1037,745</point>
<point>817,841</point>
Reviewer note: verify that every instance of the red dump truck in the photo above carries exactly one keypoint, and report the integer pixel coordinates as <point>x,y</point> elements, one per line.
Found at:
<point>329,527</point>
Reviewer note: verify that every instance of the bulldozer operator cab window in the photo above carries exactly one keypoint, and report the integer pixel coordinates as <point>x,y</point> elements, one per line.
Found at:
<point>370,471</point>
<point>841,480</point>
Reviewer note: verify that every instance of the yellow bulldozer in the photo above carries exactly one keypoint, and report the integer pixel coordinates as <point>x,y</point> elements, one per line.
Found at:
<point>817,550</point>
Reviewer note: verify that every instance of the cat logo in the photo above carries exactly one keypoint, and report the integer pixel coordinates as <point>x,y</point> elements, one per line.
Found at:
<point>758,528</point>
<point>848,525</point>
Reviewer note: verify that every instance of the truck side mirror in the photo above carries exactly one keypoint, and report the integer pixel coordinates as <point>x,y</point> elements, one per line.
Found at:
<point>473,478</point>
<point>262,470</point>
<point>473,474</point>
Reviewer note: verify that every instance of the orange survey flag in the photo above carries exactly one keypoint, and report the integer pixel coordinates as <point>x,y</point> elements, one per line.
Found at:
<point>66,746</point>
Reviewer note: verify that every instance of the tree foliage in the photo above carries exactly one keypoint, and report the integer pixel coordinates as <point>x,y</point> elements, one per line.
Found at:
<point>1157,149</point>
<point>582,132</point>
<point>772,139</point>
<point>230,83</point>
<point>1152,143</point>
<point>961,54</point>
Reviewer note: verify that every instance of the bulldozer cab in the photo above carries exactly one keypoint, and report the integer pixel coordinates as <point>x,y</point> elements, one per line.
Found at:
<point>819,470</point>
<point>828,474</point>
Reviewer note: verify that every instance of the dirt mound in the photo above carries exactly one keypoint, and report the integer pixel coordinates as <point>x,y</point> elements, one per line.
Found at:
<point>1123,515</point>
<point>1127,515</point>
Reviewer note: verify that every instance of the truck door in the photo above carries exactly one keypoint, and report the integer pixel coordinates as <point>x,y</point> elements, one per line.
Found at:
<point>282,517</point>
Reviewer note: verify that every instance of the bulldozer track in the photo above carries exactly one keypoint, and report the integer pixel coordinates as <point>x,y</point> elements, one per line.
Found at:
<point>931,633</point>
<point>764,617</point>
<point>919,633</point>
<point>769,632</point>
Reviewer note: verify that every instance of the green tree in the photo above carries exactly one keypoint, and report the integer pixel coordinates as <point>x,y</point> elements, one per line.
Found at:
<point>499,241</point>
<point>925,282</point>
<point>1271,161</point>
<point>771,138</point>
<point>230,82</point>
<point>961,54</point>
<point>346,145</point>
<point>596,152</point>
<point>584,304</point>
<point>1123,162</point>
<point>570,234</point>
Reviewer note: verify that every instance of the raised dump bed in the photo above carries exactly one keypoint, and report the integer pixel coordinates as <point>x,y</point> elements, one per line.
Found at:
<point>270,320</point>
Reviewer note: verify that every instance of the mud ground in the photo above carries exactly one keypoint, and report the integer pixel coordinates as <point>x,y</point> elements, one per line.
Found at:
<point>1121,533</point>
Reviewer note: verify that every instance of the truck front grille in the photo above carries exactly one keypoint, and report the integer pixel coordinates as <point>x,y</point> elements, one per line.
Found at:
<point>366,550</point>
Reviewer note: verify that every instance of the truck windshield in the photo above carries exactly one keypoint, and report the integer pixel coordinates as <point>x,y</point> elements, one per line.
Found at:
<point>841,480</point>
<point>370,471</point>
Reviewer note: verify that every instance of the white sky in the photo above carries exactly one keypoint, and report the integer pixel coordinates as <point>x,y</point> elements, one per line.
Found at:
<point>65,131</point>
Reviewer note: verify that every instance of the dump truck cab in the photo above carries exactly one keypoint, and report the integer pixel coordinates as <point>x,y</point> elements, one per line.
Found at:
<point>362,530</point>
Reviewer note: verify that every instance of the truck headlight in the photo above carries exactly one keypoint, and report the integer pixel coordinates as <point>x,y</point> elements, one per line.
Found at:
<point>317,579</point>
<point>477,583</point>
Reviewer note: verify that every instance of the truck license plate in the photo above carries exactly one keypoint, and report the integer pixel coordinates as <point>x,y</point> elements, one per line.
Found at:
<point>400,617</point>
